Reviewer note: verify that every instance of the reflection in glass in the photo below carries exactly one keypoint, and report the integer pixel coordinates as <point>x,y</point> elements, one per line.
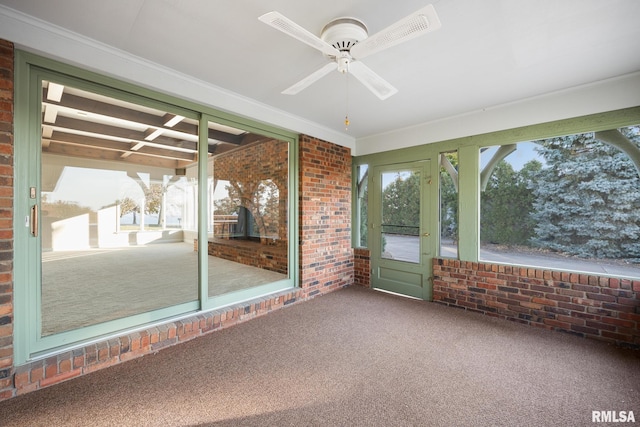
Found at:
<point>400,226</point>
<point>114,200</point>
<point>248,234</point>
<point>449,204</point>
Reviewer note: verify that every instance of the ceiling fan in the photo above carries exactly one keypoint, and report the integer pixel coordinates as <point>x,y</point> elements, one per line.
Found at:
<point>346,41</point>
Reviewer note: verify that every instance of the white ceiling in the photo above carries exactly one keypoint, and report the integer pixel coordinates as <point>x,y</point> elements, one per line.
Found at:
<point>487,53</point>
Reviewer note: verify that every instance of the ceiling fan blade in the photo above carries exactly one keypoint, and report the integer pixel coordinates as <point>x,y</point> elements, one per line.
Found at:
<point>287,26</point>
<point>376,84</point>
<point>312,78</point>
<point>418,23</point>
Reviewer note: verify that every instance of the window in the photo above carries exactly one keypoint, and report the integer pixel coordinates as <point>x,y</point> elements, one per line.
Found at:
<point>401,215</point>
<point>362,203</point>
<point>570,202</point>
<point>449,204</point>
<point>248,233</point>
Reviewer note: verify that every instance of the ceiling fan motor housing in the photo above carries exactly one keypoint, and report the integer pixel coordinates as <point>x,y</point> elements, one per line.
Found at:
<point>344,33</point>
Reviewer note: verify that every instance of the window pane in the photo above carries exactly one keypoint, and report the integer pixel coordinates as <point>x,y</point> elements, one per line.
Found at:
<point>114,199</point>
<point>363,179</point>
<point>248,233</point>
<point>570,202</point>
<point>401,216</point>
<point>449,204</point>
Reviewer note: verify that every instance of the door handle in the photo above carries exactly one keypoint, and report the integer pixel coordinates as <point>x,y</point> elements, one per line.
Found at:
<point>426,234</point>
<point>34,220</point>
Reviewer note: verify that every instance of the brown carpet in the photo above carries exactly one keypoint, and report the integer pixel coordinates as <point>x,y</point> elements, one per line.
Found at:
<point>355,357</point>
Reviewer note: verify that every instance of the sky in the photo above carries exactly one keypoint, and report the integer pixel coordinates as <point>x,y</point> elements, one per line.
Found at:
<point>523,154</point>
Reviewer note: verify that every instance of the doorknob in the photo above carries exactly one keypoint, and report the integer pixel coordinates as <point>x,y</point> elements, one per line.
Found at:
<point>426,234</point>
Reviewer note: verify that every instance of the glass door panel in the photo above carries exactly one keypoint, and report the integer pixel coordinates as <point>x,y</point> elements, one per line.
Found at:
<point>400,225</point>
<point>114,203</point>
<point>248,188</point>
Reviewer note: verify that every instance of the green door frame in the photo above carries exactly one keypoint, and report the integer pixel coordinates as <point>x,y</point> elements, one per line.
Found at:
<point>407,278</point>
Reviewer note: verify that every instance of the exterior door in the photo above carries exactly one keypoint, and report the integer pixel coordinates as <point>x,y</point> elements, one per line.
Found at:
<point>401,230</point>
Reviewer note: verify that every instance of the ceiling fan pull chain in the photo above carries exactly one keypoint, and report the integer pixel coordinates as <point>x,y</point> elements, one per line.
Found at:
<point>346,116</point>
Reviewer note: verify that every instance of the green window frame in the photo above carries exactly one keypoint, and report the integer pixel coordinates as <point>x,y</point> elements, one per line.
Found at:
<point>469,165</point>
<point>30,70</point>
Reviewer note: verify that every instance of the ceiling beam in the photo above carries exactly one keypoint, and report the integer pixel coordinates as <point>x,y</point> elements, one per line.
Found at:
<point>85,152</point>
<point>119,146</point>
<point>146,119</point>
<point>121,133</point>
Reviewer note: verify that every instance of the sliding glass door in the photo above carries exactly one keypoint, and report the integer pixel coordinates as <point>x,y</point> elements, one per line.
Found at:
<point>131,211</point>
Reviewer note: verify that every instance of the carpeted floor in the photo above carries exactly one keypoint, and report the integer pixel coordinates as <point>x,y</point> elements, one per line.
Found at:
<point>355,357</point>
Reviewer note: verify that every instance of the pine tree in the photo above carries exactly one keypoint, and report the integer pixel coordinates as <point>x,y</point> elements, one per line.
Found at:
<point>449,200</point>
<point>506,205</point>
<point>401,205</point>
<point>588,198</point>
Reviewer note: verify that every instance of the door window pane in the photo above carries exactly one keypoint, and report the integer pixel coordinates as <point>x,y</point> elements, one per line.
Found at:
<point>400,226</point>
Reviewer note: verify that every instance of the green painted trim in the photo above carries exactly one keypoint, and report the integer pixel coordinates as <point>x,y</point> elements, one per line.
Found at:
<point>23,244</point>
<point>468,203</point>
<point>294,217</point>
<point>590,123</point>
<point>248,294</point>
<point>75,338</point>
<point>203,212</point>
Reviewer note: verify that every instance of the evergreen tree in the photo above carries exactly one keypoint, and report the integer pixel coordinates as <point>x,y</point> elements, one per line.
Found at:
<point>588,198</point>
<point>364,215</point>
<point>506,205</point>
<point>449,201</point>
<point>401,205</point>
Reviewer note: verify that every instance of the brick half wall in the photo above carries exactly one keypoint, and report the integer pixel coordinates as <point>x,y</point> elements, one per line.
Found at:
<point>590,306</point>
<point>362,267</point>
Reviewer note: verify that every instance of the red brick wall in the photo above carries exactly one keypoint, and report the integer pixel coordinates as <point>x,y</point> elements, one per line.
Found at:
<point>362,267</point>
<point>246,168</point>
<point>591,306</point>
<point>266,160</point>
<point>272,258</point>
<point>6,219</point>
<point>326,256</point>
